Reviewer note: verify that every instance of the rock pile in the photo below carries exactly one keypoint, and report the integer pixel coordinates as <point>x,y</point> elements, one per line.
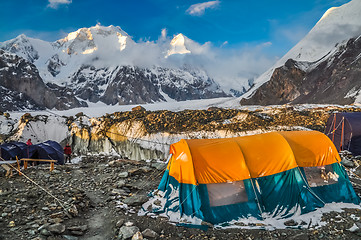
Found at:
<point>219,119</point>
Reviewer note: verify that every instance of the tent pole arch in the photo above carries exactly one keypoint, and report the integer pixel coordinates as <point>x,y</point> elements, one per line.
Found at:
<point>254,189</point>
<point>308,186</point>
<point>168,159</point>
<point>258,204</point>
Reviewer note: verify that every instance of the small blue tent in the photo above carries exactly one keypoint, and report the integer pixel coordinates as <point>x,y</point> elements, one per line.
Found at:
<point>344,130</point>
<point>9,151</point>
<point>50,150</point>
<point>46,150</point>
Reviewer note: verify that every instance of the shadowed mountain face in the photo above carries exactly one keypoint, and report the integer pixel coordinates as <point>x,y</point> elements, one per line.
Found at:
<point>103,64</point>
<point>22,84</point>
<point>335,79</point>
<point>22,87</point>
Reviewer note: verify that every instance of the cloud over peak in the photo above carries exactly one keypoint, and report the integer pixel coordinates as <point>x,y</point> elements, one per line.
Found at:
<point>199,8</point>
<point>56,3</point>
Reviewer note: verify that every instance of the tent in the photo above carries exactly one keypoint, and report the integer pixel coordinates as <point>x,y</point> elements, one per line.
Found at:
<point>344,129</point>
<point>46,150</point>
<point>50,150</point>
<point>274,174</point>
<point>9,151</point>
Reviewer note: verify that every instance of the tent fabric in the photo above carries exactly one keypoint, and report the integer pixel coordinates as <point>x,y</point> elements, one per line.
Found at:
<point>311,148</point>
<point>46,150</point>
<point>235,159</point>
<point>9,151</point>
<point>50,150</point>
<point>341,191</point>
<point>285,193</point>
<point>219,180</point>
<point>268,161</point>
<point>344,129</point>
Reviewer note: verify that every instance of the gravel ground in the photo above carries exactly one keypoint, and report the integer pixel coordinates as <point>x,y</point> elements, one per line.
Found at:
<point>87,198</point>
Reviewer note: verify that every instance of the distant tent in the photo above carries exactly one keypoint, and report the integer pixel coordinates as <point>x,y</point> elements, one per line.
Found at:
<point>50,150</point>
<point>9,151</point>
<point>47,150</point>
<point>344,129</point>
<point>278,173</point>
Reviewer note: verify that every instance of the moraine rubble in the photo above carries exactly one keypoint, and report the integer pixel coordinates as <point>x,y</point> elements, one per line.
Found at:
<point>99,198</point>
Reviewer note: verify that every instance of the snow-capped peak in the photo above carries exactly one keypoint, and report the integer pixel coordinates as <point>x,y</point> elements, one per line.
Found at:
<point>335,27</point>
<point>89,40</point>
<point>178,45</point>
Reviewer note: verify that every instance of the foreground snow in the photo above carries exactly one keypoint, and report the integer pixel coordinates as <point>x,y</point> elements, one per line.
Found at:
<point>312,220</point>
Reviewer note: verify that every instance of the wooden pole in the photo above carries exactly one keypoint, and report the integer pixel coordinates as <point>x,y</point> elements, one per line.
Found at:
<point>341,142</point>
<point>17,160</point>
<point>334,125</point>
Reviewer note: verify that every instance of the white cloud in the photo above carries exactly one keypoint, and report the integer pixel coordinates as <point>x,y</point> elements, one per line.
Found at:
<point>164,33</point>
<point>230,67</point>
<point>56,3</point>
<point>199,8</point>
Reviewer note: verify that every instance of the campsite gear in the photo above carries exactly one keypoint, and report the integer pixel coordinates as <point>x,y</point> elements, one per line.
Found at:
<point>50,150</point>
<point>26,160</point>
<point>344,129</point>
<point>8,165</point>
<point>47,150</point>
<point>9,151</point>
<point>274,174</point>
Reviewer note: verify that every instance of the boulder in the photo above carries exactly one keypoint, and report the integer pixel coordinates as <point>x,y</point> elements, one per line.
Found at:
<point>56,228</point>
<point>138,108</point>
<point>148,233</point>
<point>126,232</point>
<point>135,200</point>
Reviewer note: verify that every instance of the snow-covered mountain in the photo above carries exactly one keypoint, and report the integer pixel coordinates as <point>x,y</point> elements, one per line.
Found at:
<point>22,88</point>
<point>104,64</point>
<point>309,69</point>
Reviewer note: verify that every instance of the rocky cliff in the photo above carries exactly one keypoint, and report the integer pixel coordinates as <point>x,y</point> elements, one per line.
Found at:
<point>333,80</point>
<point>23,88</point>
<point>103,64</point>
<point>142,134</point>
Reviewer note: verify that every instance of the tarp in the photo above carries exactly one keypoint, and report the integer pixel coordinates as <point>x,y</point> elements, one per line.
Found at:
<point>276,174</point>
<point>344,129</point>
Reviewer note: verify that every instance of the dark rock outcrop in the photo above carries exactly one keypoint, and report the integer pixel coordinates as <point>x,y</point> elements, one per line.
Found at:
<point>333,80</point>
<point>21,81</point>
<point>135,85</point>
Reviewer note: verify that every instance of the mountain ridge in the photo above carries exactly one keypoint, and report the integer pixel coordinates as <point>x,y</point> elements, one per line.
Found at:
<point>327,40</point>
<point>101,64</point>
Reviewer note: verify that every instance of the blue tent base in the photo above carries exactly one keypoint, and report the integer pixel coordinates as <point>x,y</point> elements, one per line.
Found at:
<point>278,196</point>
<point>342,191</point>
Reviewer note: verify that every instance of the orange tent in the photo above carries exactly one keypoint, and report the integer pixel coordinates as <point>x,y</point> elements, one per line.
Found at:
<point>278,173</point>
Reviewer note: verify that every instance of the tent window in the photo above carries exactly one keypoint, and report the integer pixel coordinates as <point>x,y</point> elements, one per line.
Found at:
<point>320,176</point>
<point>226,193</point>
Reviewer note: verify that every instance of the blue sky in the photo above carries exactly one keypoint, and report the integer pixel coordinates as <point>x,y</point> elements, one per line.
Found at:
<point>276,25</point>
